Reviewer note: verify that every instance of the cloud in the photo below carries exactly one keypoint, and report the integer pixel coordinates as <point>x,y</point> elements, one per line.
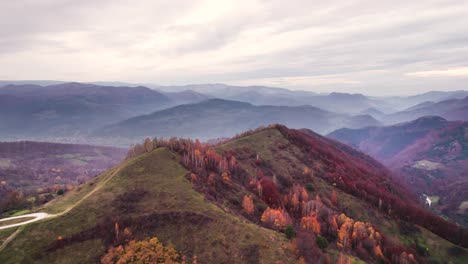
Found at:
<point>374,47</point>
<point>457,72</point>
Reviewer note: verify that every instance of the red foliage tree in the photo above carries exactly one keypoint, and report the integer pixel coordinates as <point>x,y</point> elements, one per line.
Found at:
<point>270,194</point>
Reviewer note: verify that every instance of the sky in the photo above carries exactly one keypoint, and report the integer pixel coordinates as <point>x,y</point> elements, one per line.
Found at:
<point>370,47</point>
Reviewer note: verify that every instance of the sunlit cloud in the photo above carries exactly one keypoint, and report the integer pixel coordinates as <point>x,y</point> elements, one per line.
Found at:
<point>300,82</point>
<point>457,72</point>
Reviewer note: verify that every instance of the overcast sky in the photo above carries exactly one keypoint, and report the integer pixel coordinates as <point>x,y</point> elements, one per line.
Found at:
<point>371,47</point>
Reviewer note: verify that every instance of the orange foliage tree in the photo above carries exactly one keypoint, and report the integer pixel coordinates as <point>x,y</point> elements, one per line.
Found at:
<point>353,233</point>
<point>248,204</point>
<point>311,223</point>
<point>145,251</point>
<point>346,227</point>
<point>276,218</point>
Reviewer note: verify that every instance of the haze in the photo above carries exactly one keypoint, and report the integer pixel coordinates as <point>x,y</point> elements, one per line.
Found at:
<point>370,47</point>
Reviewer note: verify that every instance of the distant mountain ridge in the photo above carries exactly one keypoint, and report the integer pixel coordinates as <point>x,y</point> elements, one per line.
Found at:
<point>385,142</point>
<point>220,118</point>
<point>72,109</point>
<point>450,109</point>
<point>70,112</point>
<point>263,95</point>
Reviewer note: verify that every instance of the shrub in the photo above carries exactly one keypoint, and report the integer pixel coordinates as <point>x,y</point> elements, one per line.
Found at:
<point>289,231</point>
<point>261,206</point>
<point>322,242</point>
<point>60,192</point>
<point>235,200</point>
<point>310,187</point>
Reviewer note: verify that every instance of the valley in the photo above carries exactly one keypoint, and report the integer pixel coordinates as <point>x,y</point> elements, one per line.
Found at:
<point>33,173</point>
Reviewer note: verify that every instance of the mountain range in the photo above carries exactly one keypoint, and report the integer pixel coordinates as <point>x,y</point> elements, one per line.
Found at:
<point>222,118</point>
<point>450,109</point>
<point>70,109</point>
<point>72,112</point>
<point>83,113</point>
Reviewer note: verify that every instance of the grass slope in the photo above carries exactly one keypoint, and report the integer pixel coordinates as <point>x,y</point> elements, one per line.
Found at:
<point>283,159</point>
<point>151,197</point>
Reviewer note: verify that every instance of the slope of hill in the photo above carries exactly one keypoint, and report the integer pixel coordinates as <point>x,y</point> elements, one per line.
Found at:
<point>373,112</point>
<point>234,203</point>
<point>32,172</point>
<point>452,109</point>
<point>149,196</point>
<point>385,142</point>
<point>220,118</point>
<point>429,154</point>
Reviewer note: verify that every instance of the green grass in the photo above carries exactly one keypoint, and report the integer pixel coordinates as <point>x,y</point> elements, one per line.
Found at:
<point>21,212</point>
<point>268,145</point>
<point>5,233</point>
<point>184,219</point>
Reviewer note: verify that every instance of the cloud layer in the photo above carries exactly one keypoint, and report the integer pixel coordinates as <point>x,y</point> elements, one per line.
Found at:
<point>371,47</point>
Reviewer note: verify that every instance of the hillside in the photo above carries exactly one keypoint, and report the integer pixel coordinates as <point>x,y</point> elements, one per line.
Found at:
<point>186,97</point>
<point>450,109</point>
<point>222,118</point>
<point>429,156</point>
<point>70,109</point>
<point>149,196</point>
<point>32,172</point>
<point>385,142</point>
<point>269,195</point>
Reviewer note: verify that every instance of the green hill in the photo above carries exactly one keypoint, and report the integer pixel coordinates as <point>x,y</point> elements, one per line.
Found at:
<point>283,158</point>
<point>311,199</point>
<point>150,196</point>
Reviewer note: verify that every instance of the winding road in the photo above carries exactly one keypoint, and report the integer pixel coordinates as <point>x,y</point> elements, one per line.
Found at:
<point>37,217</point>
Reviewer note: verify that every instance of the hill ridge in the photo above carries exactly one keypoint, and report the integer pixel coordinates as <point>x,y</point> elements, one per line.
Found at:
<point>240,197</point>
